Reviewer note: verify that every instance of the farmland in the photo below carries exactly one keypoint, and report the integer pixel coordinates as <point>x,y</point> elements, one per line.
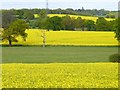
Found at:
<point>86,38</point>
<point>80,75</point>
<point>74,66</point>
<point>57,54</point>
<point>71,59</point>
<point>76,52</point>
<point>76,16</point>
<point>59,67</point>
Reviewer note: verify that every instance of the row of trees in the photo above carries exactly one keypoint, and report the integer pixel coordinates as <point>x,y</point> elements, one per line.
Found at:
<point>68,23</point>
<point>22,13</point>
<point>57,23</point>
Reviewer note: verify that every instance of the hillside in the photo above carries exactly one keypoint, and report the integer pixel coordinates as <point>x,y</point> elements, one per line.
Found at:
<point>76,16</point>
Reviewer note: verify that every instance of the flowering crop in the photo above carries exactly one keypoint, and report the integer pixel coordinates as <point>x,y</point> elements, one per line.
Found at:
<point>76,16</point>
<point>69,38</point>
<point>60,75</point>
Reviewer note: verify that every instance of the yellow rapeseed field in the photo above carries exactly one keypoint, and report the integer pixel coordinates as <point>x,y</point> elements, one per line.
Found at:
<point>60,75</point>
<point>75,16</point>
<point>69,38</point>
<point>83,17</point>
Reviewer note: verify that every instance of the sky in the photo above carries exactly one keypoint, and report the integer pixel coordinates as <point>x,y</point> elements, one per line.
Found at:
<point>54,4</point>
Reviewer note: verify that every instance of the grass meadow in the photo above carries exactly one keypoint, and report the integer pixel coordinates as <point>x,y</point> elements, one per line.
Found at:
<point>57,54</point>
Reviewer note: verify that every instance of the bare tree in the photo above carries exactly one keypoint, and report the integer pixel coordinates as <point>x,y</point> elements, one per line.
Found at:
<point>44,37</point>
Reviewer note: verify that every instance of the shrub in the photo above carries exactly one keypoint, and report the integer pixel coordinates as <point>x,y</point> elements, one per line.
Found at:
<point>115,57</point>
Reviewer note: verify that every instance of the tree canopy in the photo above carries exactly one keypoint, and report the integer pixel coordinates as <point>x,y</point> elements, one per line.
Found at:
<point>117,29</point>
<point>15,29</point>
<point>7,18</point>
<point>101,24</point>
<point>55,23</point>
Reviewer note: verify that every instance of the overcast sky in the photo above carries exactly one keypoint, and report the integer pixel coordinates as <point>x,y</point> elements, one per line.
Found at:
<point>53,4</point>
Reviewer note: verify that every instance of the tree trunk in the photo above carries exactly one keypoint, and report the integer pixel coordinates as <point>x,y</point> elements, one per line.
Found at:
<point>83,28</point>
<point>10,41</point>
<point>43,43</point>
<point>44,40</point>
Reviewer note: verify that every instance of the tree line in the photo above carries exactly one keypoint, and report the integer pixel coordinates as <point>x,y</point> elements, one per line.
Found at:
<point>69,23</point>
<point>22,13</point>
<point>58,23</point>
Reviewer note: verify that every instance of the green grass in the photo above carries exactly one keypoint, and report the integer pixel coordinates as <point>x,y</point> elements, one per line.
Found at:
<point>57,54</point>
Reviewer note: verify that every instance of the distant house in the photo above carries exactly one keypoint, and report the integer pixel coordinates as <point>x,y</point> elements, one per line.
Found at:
<point>80,29</point>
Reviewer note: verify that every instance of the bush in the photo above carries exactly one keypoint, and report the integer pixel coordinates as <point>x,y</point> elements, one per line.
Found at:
<point>115,58</point>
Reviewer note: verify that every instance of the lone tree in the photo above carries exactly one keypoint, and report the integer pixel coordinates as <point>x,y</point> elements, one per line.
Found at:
<point>44,37</point>
<point>15,29</point>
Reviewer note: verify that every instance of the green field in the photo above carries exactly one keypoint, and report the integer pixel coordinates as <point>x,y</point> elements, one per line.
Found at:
<point>86,38</point>
<point>57,54</point>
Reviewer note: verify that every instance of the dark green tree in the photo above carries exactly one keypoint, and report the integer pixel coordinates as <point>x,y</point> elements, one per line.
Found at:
<point>20,14</point>
<point>55,23</point>
<point>117,29</point>
<point>111,25</point>
<point>80,23</point>
<point>101,24</point>
<point>48,24</point>
<point>15,29</point>
<point>90,25</point>
<point>28,16</point>
<point>43,13</point>
<point>7,17</point>
<point>41,23</point>
<point>68,23</point>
